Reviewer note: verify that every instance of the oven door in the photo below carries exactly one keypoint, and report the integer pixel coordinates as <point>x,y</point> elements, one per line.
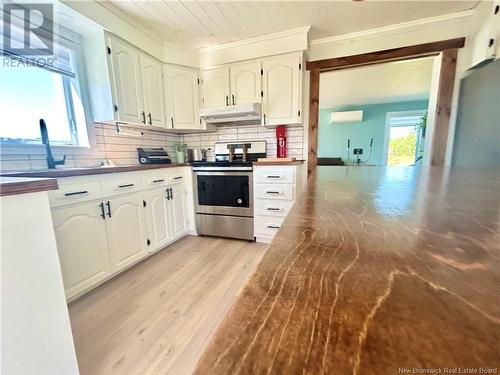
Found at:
<point>224,193</point>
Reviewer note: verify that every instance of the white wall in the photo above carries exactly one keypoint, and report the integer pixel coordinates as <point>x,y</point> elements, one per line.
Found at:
<point>36,332</point>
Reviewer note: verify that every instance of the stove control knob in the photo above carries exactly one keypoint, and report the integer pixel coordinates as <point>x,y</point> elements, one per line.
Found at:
<point>240,201</point>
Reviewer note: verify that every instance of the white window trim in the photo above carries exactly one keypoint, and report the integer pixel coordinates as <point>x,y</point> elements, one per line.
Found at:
<point>63,35</point>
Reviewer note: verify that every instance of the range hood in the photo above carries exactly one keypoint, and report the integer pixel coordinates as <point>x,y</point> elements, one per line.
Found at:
<point>240,114</point>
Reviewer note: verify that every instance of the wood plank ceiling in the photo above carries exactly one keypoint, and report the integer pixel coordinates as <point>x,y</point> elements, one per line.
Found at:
<point>207,23</point>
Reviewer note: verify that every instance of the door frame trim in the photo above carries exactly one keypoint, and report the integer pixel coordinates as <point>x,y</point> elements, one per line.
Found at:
<point>448,50</point>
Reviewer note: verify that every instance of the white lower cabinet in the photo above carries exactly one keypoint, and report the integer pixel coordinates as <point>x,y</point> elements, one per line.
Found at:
<point>125,223</point>
<point>179,210</point>
<point>100,234</point>
<point>157,218</point>
<point>275,190</point>
<point>81,242</point>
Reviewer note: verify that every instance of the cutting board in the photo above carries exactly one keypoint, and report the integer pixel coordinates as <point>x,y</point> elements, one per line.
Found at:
<point>276,160</point>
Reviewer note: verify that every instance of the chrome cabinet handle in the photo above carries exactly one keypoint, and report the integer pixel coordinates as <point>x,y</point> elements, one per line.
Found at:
<point>227,99</point>
<point>273,176</point>
<point>233,99</point>
<point>125,186</point>
<point>273,227</point>
<point>155,181</point>
<point>272,192</point>
<point>177,178</point>
<point>264,119</point>
<point>273,209</point>
<point>150,120</point>
<point>143,114</point>
<point>172,121</point>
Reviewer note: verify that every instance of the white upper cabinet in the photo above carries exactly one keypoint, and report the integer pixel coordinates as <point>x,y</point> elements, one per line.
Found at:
<point>125,71</point>
<point>245,83</point>
<point>215,87</point>
<point>181,91</point>
<point>281,83</point>
<point>152,88</point>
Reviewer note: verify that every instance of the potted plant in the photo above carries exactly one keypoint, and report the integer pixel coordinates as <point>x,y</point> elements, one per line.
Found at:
<point>180,152</point>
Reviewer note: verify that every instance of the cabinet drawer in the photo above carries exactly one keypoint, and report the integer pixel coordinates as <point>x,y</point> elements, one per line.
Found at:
<point>70,192</point>
<point>272,207</point>
<point>274,191</point>
<point>176,176</point>
<point>122,183</point>
<point>267,225</point>
<point>275,175</point>
<point>154,180</point>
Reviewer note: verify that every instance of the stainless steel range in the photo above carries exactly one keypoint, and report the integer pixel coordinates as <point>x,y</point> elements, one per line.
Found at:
<point>224,190</point>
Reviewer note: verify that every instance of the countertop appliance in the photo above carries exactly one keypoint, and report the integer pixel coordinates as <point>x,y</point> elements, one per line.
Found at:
<point>224,190</point>
<point>153,155</point>
<point>196,154</point>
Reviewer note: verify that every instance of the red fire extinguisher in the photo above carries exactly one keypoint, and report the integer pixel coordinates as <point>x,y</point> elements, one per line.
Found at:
<point>281,141</point>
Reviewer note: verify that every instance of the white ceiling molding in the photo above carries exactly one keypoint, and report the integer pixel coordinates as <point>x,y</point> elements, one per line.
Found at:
<point>391,29</point>
<point>263,38</point>
<point>253,48</point>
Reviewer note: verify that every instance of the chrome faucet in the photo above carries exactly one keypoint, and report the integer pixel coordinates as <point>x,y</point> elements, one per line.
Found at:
<point>51,162</point>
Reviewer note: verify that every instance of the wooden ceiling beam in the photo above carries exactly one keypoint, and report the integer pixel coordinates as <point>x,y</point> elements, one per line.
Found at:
<point>394,54</point>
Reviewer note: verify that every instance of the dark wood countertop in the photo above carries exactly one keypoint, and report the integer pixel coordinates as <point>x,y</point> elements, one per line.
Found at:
<point>20,185</point>
<point>73,172</point>
<point>375,269</point>
<point>296,162</point>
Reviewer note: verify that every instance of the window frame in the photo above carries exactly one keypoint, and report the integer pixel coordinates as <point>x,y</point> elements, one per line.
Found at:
<point>35,148</point>
<point>388,116</point>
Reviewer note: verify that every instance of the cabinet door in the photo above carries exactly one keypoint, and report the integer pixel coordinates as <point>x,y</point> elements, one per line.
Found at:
<point>125,230</point>
<point>215,87</point>
<point>281,86</point>
<point>127,82</point>
<point>178,206</point>
<point>157,218</point>
<point>152,88</point>
<point>81,244</point>
<point>245,83</point>
<point>182,96</point>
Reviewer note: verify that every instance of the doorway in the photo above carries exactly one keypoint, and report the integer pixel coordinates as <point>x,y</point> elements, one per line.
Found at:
<point>359,108</point>
<point>445,51</point>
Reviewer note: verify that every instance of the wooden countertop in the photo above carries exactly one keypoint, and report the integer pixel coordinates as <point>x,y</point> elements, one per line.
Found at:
<point>73,172</point>
<point>296,162</point>
<point>375,269</point>
<point>21,185</point>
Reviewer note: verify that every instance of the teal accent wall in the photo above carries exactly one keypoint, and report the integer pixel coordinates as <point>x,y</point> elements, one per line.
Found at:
<point>332,138</point>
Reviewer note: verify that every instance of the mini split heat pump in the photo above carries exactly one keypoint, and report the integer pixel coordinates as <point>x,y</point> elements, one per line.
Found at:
<point>346,116</point>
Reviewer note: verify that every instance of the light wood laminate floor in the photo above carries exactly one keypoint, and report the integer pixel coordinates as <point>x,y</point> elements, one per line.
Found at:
<point>158,317</point>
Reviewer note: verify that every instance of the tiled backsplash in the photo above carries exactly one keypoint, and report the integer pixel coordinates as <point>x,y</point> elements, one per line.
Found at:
<point>118,148</point>
<point>122,148</point>
<point>246,133</point>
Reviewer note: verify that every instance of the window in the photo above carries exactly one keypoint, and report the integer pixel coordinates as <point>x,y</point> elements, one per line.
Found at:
<point>31,90</point>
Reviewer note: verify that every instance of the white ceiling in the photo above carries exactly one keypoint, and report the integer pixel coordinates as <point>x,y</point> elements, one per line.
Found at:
<point>207,23</point>
<point>381,83</point>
